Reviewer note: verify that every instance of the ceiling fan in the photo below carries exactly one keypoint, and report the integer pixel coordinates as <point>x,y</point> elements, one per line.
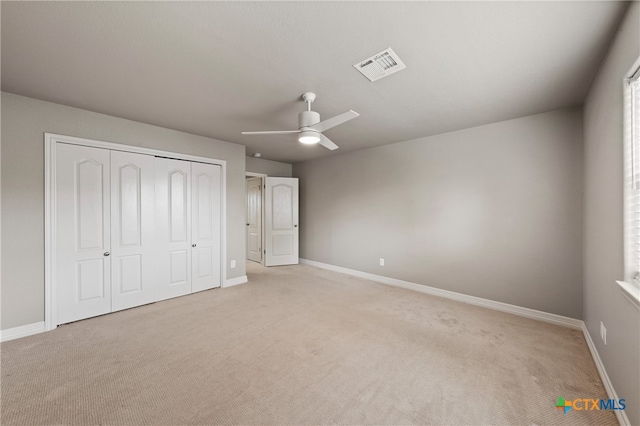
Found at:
<point>310,127</point>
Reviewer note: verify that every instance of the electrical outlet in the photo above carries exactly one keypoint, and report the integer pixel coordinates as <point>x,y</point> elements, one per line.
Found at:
<point>381,262</point>
<point>603,332</point>
<point>233,263</point>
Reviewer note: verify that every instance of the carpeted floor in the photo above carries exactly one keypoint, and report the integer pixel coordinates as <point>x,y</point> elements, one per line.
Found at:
<point>300,345</point>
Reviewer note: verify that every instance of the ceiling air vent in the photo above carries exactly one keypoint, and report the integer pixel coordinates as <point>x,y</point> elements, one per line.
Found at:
<point>381,65</point>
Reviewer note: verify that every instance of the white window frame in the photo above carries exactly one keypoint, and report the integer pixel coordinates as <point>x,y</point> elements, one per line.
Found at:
<point>630,285</point>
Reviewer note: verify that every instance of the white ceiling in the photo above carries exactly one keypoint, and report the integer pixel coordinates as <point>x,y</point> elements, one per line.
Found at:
<point>219,68</point>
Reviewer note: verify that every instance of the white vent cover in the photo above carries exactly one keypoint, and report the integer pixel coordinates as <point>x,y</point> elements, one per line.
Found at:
<point>381,65</point>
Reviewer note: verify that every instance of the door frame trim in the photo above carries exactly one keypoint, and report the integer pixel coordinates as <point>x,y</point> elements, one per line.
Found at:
<point>50,238</point>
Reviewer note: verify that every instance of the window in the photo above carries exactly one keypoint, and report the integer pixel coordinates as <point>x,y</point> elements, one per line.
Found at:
<point>631,283</point>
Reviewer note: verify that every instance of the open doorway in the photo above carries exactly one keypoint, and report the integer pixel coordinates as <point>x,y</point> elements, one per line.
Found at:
<point>254,194</point>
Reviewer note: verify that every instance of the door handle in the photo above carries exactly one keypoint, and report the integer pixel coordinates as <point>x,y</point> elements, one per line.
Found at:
<point>295,226</point>
<point>193,245</point>
<point>106,253</point>
<point>247,224</point>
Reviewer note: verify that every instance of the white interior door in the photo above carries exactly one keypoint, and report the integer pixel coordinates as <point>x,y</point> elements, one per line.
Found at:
<point>254,219</point>
<point>281,221</point>
<point>206,226</point>
<point>83,265</point>
<point>173,228</point>
<point>132,229</point>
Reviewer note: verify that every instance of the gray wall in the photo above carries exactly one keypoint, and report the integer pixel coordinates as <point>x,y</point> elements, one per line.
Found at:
<point>24,122</point>
<point>603,218</point>
<point>268,167</point>
<point>493,211</point>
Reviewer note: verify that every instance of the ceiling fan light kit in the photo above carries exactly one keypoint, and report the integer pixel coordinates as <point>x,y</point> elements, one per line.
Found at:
<point>310,127</point>
<point>309,137</point>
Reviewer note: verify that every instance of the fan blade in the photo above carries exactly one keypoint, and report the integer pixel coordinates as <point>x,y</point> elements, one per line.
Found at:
<point>326,142</point>
<point>271,132</point>
<point>334,121</point>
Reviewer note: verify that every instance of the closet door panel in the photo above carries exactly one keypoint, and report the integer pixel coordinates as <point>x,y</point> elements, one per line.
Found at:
<point>173,228</point>
<point>206,230</point>
<point>132,229</point>
<point>83,265</point>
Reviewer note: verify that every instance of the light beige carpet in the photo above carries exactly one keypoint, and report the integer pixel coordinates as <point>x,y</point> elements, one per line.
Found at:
<point>300,345</point>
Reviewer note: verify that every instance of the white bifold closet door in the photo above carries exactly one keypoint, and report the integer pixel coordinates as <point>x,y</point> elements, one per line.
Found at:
<point>173,219</point>
<point>105,225</point>
<point>83,264</point>
<point>189,227</point>
<point>132,229</point>
<point>205,228</point>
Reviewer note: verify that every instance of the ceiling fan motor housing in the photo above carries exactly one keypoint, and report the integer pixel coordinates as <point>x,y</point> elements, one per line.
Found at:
<point>308,118</point>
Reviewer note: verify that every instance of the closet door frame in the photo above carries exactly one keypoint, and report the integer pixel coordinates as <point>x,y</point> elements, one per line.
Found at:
<point>50,238</point>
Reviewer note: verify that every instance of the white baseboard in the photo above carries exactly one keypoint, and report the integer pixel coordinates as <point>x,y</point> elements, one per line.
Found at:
<point>621,415</point>
<point>472,300</point>
<point>235,281</point>
<point>22,331</point>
